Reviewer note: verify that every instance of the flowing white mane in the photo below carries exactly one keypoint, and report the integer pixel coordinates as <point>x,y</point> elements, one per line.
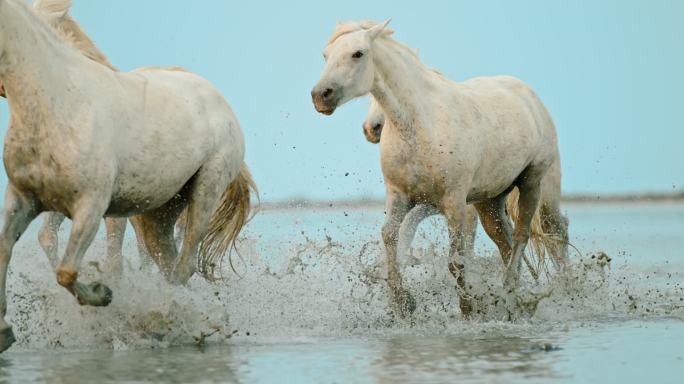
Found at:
<point>55,14</point>
<point>347,27</point>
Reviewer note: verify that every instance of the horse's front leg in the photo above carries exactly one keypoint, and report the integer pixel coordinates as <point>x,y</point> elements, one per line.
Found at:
<point>19,212</point>
<point>86,220</point>
<point>397,205</point>
<point>409,227</point>
<point>138,227</point>
<point>48,237</point>
<point>454,208</point>
<point>116,230</point>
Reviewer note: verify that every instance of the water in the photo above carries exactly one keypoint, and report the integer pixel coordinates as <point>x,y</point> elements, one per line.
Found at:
<point>309,306</point>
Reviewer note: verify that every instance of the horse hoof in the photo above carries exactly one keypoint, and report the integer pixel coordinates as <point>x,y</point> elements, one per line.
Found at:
<point>94,294</point>
<point>104,292</point>
<point>522,303</point>
<point>6,339</point>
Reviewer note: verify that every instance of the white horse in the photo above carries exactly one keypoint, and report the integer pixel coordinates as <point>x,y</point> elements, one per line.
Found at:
<point>53,13</point>
<point>549,229</point>
<point>444,144</point>
<point>89,142</point>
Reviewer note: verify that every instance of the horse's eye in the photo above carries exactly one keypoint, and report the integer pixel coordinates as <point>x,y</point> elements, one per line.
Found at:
<point>357,55</point>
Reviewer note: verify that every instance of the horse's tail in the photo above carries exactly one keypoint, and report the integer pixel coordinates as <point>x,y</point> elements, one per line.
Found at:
<point>541,242</point>
<point>231,215</point>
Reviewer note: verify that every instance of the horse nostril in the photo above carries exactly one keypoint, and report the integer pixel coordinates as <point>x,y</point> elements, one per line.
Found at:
<point>327,93</point>
<point>377,128</point>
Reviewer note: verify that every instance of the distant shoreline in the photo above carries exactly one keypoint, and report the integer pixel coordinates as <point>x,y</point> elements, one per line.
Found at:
<point>364,203</point>
<point>645,198</point>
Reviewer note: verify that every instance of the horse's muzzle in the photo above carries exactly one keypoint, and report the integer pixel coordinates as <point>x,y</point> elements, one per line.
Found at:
<point>325,100</point>
<point>372,131</point>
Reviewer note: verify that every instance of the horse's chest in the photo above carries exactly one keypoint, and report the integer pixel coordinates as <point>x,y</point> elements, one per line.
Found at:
<point>416,175</point>
<point>35,166</point>
<point>22,158</point>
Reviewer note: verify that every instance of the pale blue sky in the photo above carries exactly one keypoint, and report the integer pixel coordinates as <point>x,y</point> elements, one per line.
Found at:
<point>610,72</point>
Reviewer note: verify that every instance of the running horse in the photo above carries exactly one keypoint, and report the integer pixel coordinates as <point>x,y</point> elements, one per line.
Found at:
<point>90,142</point>
<point>444,144</point>
<point>549,228</point>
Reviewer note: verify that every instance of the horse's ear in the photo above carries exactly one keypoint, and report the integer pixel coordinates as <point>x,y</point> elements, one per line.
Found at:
<point>376,31</point>
<point>52,8</point>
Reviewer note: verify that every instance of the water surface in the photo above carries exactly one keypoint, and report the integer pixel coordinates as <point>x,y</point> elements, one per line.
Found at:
<point>309,307</point>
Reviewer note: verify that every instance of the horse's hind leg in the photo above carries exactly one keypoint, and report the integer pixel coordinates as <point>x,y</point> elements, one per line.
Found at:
<point>116,229</point>
<point>48,237</point>
<point>19,212</point>
<point>554,223</point>
<point>156,229</point>
<point>398,206</point>
<point>496,224</point>
<point>205,193</point>
<point>529,186</point>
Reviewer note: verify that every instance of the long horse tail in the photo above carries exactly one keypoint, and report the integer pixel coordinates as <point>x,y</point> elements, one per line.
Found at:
<point>543,244</point>
<point>231,215</point>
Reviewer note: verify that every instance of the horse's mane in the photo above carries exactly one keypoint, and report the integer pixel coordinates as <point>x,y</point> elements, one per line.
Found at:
<point>347,27</point>
<point>72,32</point>
<point>69,30</point>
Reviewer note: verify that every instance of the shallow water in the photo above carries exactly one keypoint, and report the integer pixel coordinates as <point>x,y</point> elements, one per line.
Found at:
<point>309,307</point>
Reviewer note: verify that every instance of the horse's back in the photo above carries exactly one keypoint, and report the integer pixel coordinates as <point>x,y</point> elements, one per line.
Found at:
<point>183,122</point>
<point>515,130</point>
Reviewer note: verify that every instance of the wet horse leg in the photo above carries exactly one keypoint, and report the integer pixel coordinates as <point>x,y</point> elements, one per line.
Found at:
<point>397,205</point>
<point>181,224</point>
<point>157,231</point>
<point>529,186</point>
<point>19,212</point>
<point>409,227</point>
<point>555,224</point>
<point>86,220</point>
<point>454,208</point>
<point>143,254</point>
<point>497,224</point>
<point>471,229</point>
<point>48,237</point>
<point>203,198</point>
<point>116,229</point>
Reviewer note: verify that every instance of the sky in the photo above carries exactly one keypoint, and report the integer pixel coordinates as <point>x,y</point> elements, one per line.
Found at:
<point>610,72</point>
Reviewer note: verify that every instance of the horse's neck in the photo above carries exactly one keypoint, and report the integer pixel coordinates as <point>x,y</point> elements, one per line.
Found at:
<point>33,64</point>
<point>401,86</point>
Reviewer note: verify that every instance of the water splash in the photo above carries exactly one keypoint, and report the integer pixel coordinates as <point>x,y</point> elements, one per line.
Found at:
<point>329,283</point>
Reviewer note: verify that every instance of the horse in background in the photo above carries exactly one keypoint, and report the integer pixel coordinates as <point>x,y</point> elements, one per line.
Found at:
<point>444,144</point>
<point>549,228</point>
<point>89,142</point>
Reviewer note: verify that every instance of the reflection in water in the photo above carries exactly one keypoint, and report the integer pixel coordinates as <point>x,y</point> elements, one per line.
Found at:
<point>178,365</point>
<point>625,352</point>
<point>397,359</point>
<point>443,359</point>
